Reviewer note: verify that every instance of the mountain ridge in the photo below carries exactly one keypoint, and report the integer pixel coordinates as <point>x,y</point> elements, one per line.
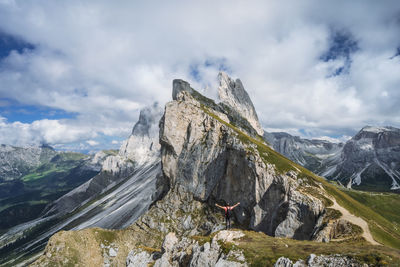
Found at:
<point>369,160</point>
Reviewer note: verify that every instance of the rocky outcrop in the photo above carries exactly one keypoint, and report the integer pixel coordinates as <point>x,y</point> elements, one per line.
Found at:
<point>188,252</point>
<point>233,94</point>
<point>320,260</point>
<point>203,154</point>
<point>338,229</point>
<point>142,145</point>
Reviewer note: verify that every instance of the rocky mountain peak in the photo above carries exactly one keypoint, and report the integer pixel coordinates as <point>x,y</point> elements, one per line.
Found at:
<point>149,117</point>
<point>379,136</point>
<point>232,93</point>
<point>377,129</point>
<point>142,145</point>
<point>374,131</point>
<point>178,86</point>
<point>206,158</point>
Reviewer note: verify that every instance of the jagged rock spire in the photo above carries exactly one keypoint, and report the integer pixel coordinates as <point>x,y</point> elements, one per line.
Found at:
<point>233,94</point>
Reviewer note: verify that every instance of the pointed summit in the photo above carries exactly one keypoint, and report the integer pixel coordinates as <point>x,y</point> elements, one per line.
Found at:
<point>232,93</point>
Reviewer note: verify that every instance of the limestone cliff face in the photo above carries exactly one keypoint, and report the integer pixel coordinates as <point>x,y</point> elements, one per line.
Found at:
<point>141,147</point>
<point>212,160</point>
<point>232,93</point>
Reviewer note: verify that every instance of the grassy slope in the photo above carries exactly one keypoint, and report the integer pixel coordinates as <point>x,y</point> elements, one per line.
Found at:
<point>262,250</point>
<point>385,204</point>
<point>382,229</point>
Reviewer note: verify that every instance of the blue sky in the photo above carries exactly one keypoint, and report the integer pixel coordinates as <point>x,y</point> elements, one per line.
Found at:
<point>75,75</point>
<point>14,111</point>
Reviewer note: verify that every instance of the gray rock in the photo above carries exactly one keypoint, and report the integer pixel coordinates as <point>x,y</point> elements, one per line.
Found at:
<point>283,262</point>
<point>178,86</point>
<point>138,258</point>
<point>187,252</point>
<point>312,154</point>
<point>169,243</point>
<point>226,263</point>
<point>164,261</point>
<point>332,261</point>
<point>318,261</point>
<point>113,252</point>
<point>232,93</point>
<point>208,160</point>
<point>205,255</point>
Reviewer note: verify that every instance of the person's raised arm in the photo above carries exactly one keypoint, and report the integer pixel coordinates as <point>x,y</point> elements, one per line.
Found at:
<point>219,206</point>
<point>234,206</point>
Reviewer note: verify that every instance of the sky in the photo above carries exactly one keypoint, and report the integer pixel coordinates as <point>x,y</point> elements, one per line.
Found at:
<point>75,74</point>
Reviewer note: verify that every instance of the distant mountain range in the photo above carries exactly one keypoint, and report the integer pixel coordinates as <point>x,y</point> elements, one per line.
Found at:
<point>368,161</point>
<point>33,177</point>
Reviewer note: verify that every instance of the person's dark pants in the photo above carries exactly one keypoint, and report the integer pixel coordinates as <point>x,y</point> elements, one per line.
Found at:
<point>228,222</point>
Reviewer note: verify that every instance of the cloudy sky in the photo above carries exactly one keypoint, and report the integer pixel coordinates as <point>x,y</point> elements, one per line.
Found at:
<point>75,74</point>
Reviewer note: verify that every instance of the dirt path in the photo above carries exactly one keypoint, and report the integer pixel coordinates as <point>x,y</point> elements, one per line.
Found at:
<point>346,215</point>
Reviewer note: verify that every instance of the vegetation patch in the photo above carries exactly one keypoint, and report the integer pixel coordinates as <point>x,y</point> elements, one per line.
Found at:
<point>149,249</point>
<point>313,191</point>
<point>331,214</point>
<point>382,203</point>
<point>105,236</point>
<point>111,152</point>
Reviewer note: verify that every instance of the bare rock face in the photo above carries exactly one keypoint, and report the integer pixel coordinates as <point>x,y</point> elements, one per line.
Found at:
<point>138,258</point>
<point>320,260</point>
<point>371,160</point>
<point>142,145</point>
<point>188,252</point>
<point>17,161</point>
<point>232,93</point>
<point>314,155</point>
<point>205,156</point>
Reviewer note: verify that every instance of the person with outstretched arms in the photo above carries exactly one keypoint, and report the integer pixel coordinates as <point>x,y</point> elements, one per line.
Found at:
<point>228,213</point>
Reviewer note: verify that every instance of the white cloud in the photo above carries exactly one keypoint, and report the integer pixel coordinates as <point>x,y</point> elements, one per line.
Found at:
<point>341,139</point>
<point>92,142</point>
<point>104,61</point>
<point>42,131</point>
